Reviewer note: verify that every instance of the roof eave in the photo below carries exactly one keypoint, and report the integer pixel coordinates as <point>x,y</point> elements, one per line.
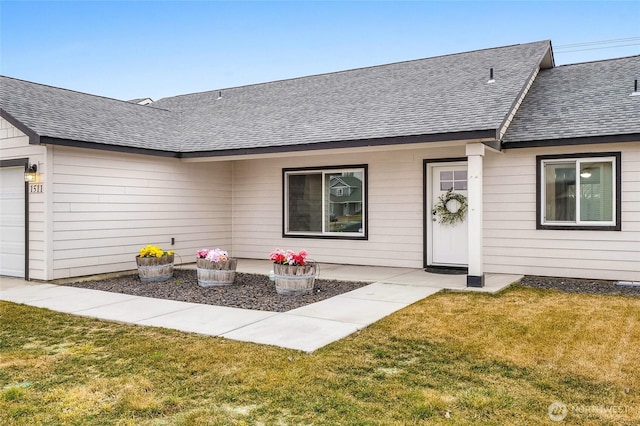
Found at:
<point>46,140</point>
<point>584,140</point>
<point>485,136</point>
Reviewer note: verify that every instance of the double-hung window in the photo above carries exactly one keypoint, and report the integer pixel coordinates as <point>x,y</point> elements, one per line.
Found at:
<point>579,191</point>
<point>325,202</point>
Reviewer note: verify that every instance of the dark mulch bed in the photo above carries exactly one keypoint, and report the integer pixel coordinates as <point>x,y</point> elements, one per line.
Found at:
<point>249,291</point>
<point>573,285</point>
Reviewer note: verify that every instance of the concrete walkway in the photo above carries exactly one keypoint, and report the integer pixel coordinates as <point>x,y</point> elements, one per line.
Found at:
<point>307,328</point>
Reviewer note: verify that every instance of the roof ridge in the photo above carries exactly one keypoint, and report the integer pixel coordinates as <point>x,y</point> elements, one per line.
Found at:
<point>350,70</point>
<point>78,92</point>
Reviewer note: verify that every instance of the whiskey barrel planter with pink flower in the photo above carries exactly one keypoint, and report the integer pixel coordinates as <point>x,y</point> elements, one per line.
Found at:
<point>295,280</point>
<point>215,268</point>
<point>293,274</point>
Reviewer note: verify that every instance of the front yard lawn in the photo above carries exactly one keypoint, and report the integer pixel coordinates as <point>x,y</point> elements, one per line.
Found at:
<point>453,358</point>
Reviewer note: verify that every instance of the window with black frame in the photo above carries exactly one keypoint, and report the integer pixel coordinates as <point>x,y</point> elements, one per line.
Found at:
<point>325,202</point>
<point>579,191</point>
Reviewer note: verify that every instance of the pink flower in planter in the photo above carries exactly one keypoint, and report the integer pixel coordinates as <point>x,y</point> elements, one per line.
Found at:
<point>217,255</point>
<point>288,257</point>
<point>278,256</point>
<point>214,255</point>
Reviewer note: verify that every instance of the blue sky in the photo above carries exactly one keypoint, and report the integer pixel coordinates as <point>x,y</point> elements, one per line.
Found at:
<point>127,50</point>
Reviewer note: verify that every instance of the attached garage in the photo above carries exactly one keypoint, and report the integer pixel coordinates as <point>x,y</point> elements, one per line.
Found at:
<point>12,220</point>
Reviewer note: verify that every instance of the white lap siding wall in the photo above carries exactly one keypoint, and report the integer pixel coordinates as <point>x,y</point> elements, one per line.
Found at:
<point>15,145</point>
<point>512,244</point>
<point>98,208</point>
<point>106,205</point>
<point>395,207</point>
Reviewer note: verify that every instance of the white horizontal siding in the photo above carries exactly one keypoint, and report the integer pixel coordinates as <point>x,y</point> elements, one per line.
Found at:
<point>13,145</point>
<point>107,205</point>
<point>395,212</point>
<point>512,244</point>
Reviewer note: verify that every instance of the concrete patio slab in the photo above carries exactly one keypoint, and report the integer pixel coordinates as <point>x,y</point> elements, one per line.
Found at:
<point>207,319</point>
<point>12,282</point>
<point>497,282</point>
<point>137,309</point>
<point>386,292</point>
<point>294,332</point>
<point>347,309</point>
<point>81,300</point>
<point>359,273</point>
<point>254,266</point>
<point>427,279</point>
<point>33,292</point>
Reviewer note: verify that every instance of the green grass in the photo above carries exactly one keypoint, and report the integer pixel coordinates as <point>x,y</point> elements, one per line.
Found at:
<point>453,358</point>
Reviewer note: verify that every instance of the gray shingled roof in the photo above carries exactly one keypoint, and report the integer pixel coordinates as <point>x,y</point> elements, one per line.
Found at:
<point>428,96</point>
<point>64,114</point>
<point>446,94</point>
<point>579,100</point>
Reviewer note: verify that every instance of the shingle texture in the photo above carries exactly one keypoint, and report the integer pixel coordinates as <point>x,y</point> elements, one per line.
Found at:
<point>423,97</point>
<point>580,100</point>
<point>428,96</point>
<point>65,114</point>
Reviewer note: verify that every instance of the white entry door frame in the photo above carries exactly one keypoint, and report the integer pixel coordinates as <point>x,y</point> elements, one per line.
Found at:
<point>446,245</point>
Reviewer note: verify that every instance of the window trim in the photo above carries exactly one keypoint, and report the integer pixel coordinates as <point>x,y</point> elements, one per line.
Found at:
<point>540,202</point>
<point>323,235</point>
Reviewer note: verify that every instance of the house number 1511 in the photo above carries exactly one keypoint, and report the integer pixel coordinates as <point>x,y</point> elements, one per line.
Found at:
<point>35,188</point>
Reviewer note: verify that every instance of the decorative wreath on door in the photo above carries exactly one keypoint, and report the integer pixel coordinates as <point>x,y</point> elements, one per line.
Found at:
<point>441,208</point>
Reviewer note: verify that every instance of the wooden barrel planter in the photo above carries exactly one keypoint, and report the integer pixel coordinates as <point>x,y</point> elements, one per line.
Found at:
<point>155,269</point>
<point>295,280</point>
<point>214,274</point>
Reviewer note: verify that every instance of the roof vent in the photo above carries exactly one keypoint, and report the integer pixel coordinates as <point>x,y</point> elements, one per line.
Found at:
<point>219,95</point>
<point>491,80</point>
<point>635,88</point>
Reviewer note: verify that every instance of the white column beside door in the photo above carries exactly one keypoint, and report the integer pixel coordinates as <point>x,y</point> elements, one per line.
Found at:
<point>475,153</point>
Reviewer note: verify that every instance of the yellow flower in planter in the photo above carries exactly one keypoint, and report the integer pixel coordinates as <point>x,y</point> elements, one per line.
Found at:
<point>154,251</point>
<point>154,264</point>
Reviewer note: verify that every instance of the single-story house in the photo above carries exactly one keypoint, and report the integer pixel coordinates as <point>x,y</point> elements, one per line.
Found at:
<point>545,158</point>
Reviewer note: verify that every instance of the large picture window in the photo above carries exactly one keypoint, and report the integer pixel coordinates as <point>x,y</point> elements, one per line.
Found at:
<point>579,192</point>
<point>327,202</point>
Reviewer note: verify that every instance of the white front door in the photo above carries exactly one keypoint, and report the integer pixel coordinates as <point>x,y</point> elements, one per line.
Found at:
<point>448,241</point>
<point>12,221</point>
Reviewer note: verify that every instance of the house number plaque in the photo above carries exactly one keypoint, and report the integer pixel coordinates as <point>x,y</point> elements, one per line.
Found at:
<point>36,188</point>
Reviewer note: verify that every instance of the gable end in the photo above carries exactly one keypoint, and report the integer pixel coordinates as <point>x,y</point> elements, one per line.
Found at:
<point>34,138</point>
